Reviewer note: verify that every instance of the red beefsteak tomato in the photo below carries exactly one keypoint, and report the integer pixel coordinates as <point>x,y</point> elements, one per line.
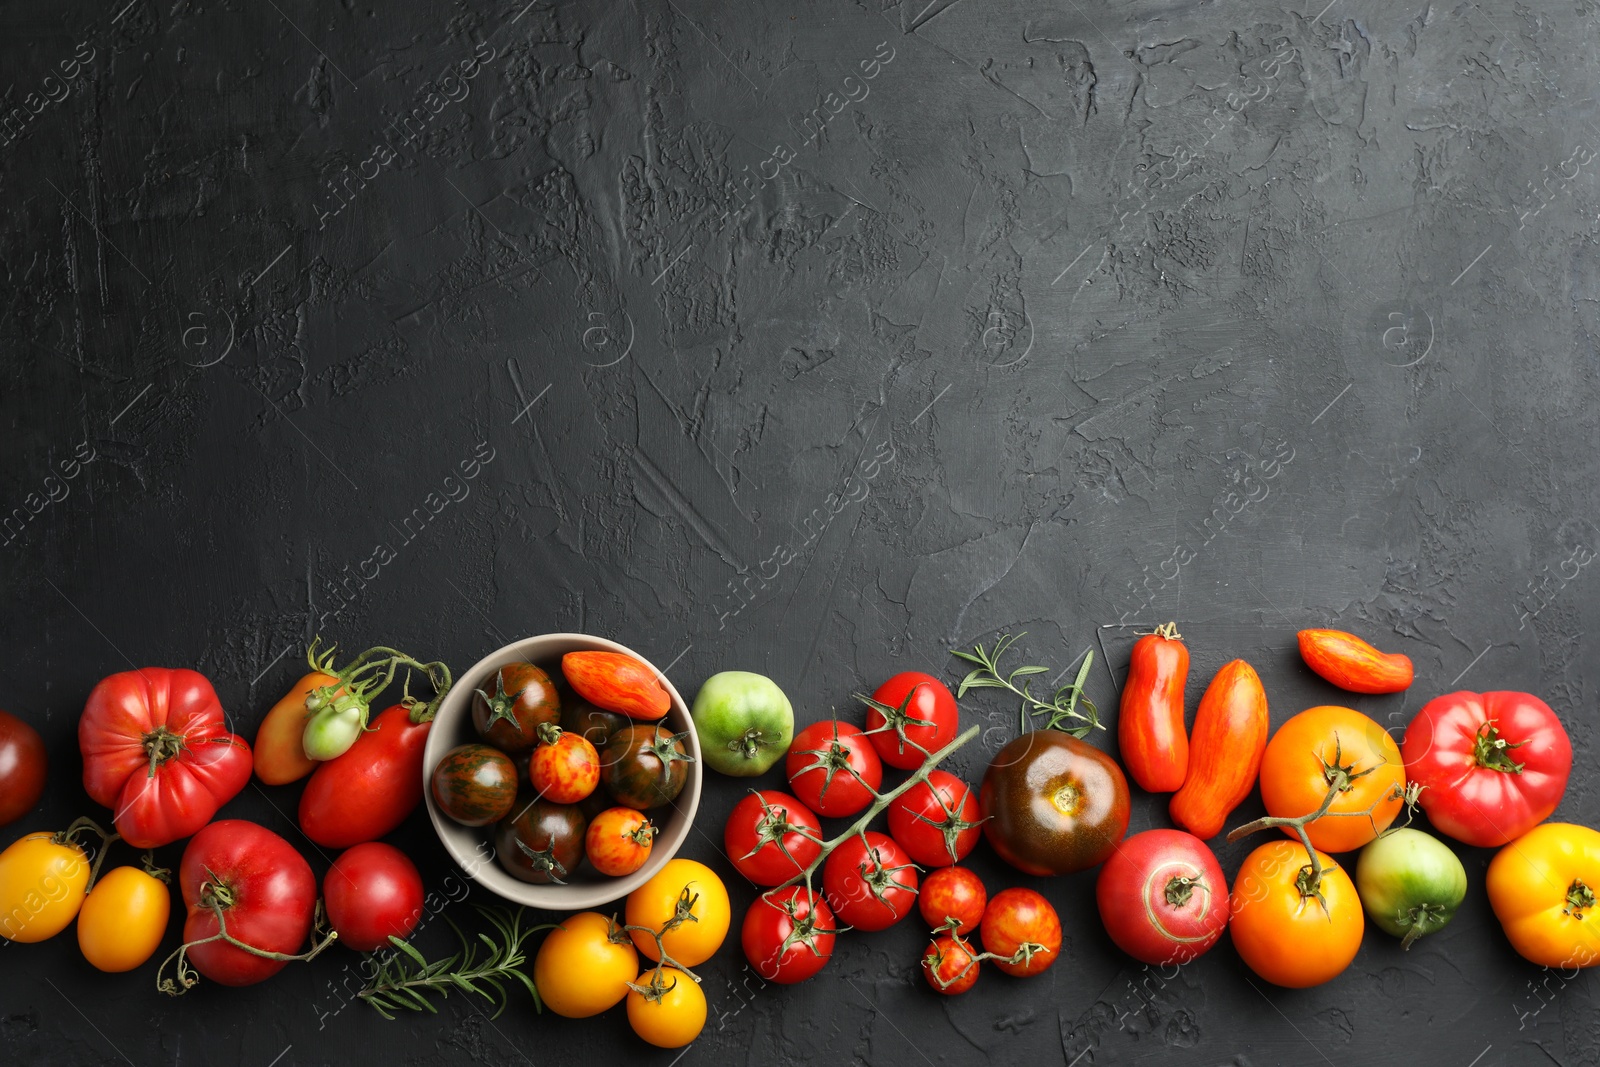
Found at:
<point>368,791</point>
<point>157,752</point>
<point>261,888</point>
<point>1494,765</point>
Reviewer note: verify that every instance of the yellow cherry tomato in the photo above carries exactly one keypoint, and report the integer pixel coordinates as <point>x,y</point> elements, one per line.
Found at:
<point>703,899</point>
<point>580,969</point>
<point>124,919</point>
<point>41,887</point>
<point>1543,888</point>
<point>671,1010</point>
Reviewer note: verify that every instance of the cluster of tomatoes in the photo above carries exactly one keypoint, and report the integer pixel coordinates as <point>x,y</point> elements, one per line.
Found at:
<point>586,767</point>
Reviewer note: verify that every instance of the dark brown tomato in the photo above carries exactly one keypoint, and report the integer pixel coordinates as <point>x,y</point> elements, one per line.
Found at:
<point>509,716</point>
<point>645,766</point>
<point>541,842</point>
<point>1053,804</point>
<point>22,768</point>
<point>475,784</point>
<point>580,717</point>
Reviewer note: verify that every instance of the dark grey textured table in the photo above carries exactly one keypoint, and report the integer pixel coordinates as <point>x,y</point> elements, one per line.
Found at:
<point>813,340</point>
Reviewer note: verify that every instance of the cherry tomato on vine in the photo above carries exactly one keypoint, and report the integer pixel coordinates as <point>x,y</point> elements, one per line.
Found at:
<point>372,891</point>
<point>696,890</point>
<point>123,920</point>
<point>788,934</point>
<point>1017,917</point>
<point>619,841</point>
<point>938,821</point>
<point>666,1007</point>
<point>869,881</point>
<point>771,837</point>
<point>584,966</point>
<point>949,965</point>
<point>564,767</point>
<point>833,768</point>
<point>910,717</point>
<point>953,893</point>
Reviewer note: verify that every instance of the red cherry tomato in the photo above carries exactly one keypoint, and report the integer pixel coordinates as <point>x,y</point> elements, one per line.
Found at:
<point>869,881</point>
<point>833,768</point>
<point>1163,898</point>
<point>787,935</point>
<point>937,821</point>
<point>953,893</point>
<point>771,837</point>
<point>1017,917</point>
<point>949,965</point>
<point>909,717</point>
<point>372,891</point>
<point>564,767</point>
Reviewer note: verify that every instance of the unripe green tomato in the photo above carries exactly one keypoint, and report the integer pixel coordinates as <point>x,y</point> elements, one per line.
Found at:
<point>1410,883</point>
<point>331,731</point>
<point>744,721</point>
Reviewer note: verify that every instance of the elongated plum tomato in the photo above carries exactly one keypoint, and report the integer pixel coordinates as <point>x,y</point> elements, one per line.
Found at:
<point>1332,747</point>
<point>1053,804</point>
<point>771,837</point>
<point>788,934</point>
<point>1150,736</point>
<point>42,882</point>
<point>952,893</point>
<point>1022,928</point>
<point>937,821</point>
<point>474,784</point>
<point>1352,664</point>
<point>584,966</point>
<point>369,790</point>
<point>1284,934</point>
<point>22,768</point>
<point>372,892</point>
<point>909,717</point>
<point>246,875</point>
<point>833,768</point>
<point>122,923</point>
<point>1225,747</point>
<point>1163,897</point>
<point>616,682</point>
<point>280,753</point>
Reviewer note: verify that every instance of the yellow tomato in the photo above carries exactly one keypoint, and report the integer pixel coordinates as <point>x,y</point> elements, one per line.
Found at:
<point>580,971</point>
<point>124,919</point>
<point>672,1010</point>
<point>704,900</point>
<point>41,887</point>
<point>1543,888</point>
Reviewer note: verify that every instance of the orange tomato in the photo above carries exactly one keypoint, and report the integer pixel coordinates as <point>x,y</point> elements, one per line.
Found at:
<point>618,841</point>
<point>279,750</point>
<point>122,922</point>
<point>1287,937</point>
<point>1230,730</point>
<point>1323,745</point>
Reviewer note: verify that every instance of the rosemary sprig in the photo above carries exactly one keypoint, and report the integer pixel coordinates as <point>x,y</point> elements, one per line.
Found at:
<point>405,979</point>
<point>1062,706</point>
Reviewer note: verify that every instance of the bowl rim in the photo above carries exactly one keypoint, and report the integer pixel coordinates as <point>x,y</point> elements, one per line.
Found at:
<point>574,896</point>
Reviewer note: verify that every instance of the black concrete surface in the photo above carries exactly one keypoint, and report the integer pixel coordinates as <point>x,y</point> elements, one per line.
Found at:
<point>1248,314</point>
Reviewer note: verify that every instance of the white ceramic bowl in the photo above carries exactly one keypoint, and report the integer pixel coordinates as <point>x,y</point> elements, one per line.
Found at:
<point>471,847</point>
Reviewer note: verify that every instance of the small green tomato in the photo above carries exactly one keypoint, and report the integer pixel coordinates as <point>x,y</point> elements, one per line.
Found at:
<point>1411,883</point>
<point>331,731</point>
<point>744,721</point>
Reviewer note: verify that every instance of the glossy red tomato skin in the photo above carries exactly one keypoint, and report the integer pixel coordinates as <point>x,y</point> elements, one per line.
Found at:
<point>950,965</point>
<point>769,922</point>
<point>846,877</point>
<point>915,814</point>
<point>209,767</point>
<point>765,863</point>
<point>851,788</point>
<point>1015,916</point>
<point>931,703</point>
<point>23,765</point>
<point>1475,803</point>
<point>953,893</point>
<point>1133,894</point>
<point>368,791</point>
<point>372,890</point>
<point>274,897</point>
<point>566,770</point>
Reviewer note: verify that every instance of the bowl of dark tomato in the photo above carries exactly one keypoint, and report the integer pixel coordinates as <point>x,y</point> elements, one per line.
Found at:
<point>481,720</point>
